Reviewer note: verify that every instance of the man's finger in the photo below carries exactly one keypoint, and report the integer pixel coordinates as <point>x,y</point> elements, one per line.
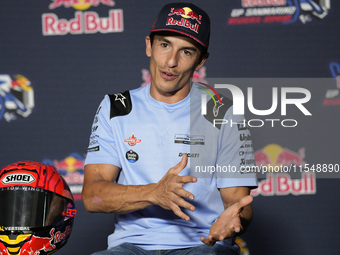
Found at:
<point>179,212</point>
<point>181,165</point>
<point>186,179</point>
<point>237,230</point>
<point>184,193</point>
<point>247,200</point>
<point>207,241</point>
<point>184,204</point>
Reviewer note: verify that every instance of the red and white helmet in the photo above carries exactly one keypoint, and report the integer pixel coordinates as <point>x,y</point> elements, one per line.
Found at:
<point>37,209</point>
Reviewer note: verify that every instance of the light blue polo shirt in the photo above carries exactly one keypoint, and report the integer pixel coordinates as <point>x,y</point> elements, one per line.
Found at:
<point>145,138</point>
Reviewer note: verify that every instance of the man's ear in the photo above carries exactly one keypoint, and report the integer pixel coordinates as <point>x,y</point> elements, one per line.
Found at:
<point>148,46</point>
<point>204,58</point>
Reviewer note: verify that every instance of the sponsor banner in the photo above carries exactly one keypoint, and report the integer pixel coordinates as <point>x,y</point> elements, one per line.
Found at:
<point>71,169</point>
<point>79,4</point>
<point>283,185</point>
<point>332,97</point>
<point>277,11</point>
<point>83,22</point>
<point>16,97</point>
<point>276,164</point>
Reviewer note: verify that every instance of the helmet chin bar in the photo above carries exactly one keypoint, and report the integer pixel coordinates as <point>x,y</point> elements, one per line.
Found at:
<point>44,240</point>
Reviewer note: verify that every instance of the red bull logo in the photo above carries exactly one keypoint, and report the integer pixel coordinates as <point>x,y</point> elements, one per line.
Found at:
<point>69,164</point>
<point>72,170</point>
<point>88,22</point>
<point>276,159</point>
<point>187,15</point>
<point>83,23</point>
<point>37,244</point>
<point>79,4</point>
<point>282,185</point>
<point>33,245</point>
<point>275,155</point>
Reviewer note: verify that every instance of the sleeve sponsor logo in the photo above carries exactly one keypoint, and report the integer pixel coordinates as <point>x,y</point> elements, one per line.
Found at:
<point>120,97</point>
<point>92,149</point>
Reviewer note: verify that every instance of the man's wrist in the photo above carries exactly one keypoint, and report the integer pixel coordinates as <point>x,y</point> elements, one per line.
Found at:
<point>151,193</point>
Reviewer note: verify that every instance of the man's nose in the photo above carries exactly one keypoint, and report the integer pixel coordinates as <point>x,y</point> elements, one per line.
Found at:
<point>172,60</point>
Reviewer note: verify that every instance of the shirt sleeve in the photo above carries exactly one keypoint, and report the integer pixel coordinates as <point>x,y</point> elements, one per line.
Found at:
<point>235,154</point>
<point>102,146</point>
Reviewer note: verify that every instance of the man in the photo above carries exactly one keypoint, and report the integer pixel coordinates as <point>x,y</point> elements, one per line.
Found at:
<point>137,164</point>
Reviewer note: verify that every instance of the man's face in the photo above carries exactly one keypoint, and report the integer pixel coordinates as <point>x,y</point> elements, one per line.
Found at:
<point>173,60</point>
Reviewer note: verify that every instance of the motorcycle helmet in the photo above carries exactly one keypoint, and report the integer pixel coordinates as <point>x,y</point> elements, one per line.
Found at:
<point>36,209</point>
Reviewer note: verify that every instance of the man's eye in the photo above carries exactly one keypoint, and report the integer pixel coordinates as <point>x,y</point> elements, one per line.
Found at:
<point>188,53</point>
<point>164,45</point>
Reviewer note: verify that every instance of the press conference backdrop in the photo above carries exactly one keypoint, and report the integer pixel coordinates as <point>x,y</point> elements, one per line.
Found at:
<point>59,58</point>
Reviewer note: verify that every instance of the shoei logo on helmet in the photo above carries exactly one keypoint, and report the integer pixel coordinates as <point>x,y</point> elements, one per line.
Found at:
<point>17,178</point>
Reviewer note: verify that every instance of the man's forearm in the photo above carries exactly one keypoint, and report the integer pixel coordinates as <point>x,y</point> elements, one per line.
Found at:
<point>102,194</point>
<point>111,197</point>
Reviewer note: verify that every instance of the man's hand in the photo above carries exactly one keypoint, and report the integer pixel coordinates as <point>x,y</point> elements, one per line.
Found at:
<point>229,222</point>
<point>169,193</point>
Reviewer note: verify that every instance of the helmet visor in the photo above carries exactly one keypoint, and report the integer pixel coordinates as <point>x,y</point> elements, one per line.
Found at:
<point>30,207</point>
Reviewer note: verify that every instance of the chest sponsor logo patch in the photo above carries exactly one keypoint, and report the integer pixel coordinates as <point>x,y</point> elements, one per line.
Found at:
<point>189,139</point>
<point>132,140</point>
<point>131,156</point>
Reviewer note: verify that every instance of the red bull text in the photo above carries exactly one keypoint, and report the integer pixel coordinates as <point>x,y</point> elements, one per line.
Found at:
<point>278,164</point>
<point>282,184</point>
<point>187,16</point>
<point>83,23</point>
